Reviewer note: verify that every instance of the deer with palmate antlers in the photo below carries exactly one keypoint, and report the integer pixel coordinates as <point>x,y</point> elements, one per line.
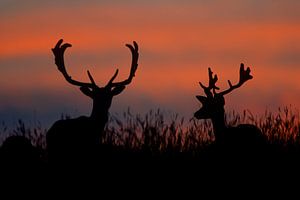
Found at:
<point>243,137</point>
<point>80,137</point>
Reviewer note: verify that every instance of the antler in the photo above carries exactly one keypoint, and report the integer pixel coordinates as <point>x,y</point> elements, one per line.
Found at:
<point>244,76</point>
<point>134,64</point>
<point>58,52</point>
<point>212,84</point>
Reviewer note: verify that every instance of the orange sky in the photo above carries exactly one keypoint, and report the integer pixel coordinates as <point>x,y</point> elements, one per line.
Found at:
<point>178,42</point>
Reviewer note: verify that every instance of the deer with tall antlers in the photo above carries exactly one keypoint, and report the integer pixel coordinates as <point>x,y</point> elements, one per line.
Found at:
<point>244,136</point>
<point>72,138</point>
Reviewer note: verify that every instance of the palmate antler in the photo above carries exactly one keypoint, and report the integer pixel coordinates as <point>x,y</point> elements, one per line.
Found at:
<point>134,64</point>
<point>58,52</point>
<point>244,76</point>
<point>60,49</point>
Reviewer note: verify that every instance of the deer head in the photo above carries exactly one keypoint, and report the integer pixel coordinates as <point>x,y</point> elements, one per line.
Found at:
<point>102,96</point>
<point>213,103</point>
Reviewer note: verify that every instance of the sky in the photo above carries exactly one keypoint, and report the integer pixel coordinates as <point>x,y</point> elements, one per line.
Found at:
<point>178,41</point>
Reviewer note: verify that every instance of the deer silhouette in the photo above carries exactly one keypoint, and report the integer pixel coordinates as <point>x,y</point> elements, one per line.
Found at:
<point>245,137</point>
<point>80,137</point>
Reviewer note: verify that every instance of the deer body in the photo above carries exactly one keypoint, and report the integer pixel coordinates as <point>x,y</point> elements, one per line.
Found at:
<point>79,138</point>
<point>240,137</point>
<point>244,137</point>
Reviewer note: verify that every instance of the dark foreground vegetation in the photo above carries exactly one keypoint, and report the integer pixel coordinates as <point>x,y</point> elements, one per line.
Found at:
<point>156,134</point>
<point>167,146</point>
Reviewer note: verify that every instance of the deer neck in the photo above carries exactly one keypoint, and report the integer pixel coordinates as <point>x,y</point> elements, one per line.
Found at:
<point>99,113</point>
<point>219,126</point>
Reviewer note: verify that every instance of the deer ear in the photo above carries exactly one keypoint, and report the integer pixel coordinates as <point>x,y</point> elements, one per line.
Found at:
<point>117,90</point>
<point>202,99</point>
<point>87,91</point>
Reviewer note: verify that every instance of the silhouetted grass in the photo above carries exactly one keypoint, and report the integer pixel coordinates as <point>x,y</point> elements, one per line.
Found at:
<point>156,133</point>
<point>164,133</point>
<point>281,128</point>
<point>36,134</point>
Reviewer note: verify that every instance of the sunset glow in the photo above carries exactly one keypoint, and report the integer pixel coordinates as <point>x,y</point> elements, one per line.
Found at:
<point>178,42</point>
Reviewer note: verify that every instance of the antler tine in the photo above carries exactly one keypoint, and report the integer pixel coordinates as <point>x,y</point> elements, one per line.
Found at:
<point>58,52</point>
<point>112,78</point>
<point>91,78</point>
<point>244,76</point>
<point>212,80</point>
<point>211,85</point>
<point>134,64</point>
